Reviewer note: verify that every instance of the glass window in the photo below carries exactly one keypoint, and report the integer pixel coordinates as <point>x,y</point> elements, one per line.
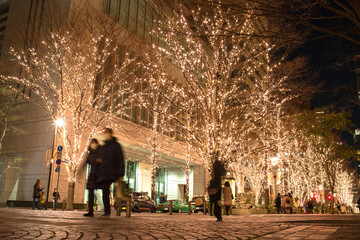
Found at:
<point>114,8</point>
<point>148,21</point>
<point>141,18</point>
<point>106,6</point>
<point>124,12</point>
<point>133,12</point>
<point>131,168</point>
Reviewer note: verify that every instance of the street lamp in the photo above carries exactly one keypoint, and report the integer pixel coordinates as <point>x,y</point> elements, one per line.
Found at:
<point>274,162</point>
<point>58,123</point>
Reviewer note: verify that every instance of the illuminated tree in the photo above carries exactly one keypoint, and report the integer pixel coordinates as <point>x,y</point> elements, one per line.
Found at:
<point>73,73</point>
<point>9,105</point>
<point>343,187</point>
<point>218,74</point>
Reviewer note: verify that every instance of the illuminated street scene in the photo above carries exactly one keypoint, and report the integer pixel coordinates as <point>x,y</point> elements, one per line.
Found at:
<point>184,119</point>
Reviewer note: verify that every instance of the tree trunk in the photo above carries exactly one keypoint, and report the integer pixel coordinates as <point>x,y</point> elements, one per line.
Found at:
<point>267,199</point>
<point>332,202</point>
<point>187,171</point>
<point>70,197</point>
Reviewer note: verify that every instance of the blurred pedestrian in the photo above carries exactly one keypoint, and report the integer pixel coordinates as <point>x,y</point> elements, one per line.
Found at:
<point>215,185</point>
<point>37,194</point>
<point>287,204</point>
<point>310,206</point>
<point>211,202</point>
<point>278,203</point>
<point>56,197</point>
<point>291,202</point>
<point>92,184</point>
<point>227,197</point>
<point>112,167</point>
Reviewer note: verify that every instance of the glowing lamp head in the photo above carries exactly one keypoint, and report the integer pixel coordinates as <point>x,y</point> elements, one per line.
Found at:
<point>274,161</point>
<point>59,122</point>
<point>329,197</point>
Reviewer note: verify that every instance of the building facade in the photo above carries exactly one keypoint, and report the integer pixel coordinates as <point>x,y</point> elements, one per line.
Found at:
<point>34,145</point>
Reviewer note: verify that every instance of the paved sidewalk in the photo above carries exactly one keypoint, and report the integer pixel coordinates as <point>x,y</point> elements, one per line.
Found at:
<point>17,223</point>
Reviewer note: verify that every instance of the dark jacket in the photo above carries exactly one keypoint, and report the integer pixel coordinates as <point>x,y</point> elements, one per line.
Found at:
<point>112,161</point>
<point>278,202</point>
<point>94,169</point>
<point>36,192</point>
<point>219,171</point>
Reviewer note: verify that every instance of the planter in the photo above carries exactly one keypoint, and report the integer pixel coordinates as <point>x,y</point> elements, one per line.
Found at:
<point>240,211</point>
<point>259,211</point>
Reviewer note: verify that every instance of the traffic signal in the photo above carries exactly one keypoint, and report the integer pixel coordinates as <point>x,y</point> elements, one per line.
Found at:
<point>315,196</point>
<point>329,197</point>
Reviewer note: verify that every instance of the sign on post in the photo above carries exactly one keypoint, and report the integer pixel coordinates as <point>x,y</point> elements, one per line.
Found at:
<point>58,161</point>
<point>57,169</point>
<point>60,148</point>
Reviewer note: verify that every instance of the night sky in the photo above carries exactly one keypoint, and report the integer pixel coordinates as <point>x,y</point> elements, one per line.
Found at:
<point>333,60</point>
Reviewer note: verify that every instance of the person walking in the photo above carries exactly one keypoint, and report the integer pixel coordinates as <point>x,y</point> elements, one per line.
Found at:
<point>227,197</point>
<point>112,167</point>
<point>287,204</point>
<point>211,203</point>
<point>92,184</point>
<point>56,197</point>
<point>278,203</point>
<point>292,202</point>
<point>215,186</point>
<point>37,194</point>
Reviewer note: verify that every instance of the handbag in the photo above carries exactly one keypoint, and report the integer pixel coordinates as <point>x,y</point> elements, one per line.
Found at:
<point>121,189</point>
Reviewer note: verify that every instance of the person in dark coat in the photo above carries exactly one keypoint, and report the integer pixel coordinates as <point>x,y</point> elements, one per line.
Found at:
<point>56,197</point>
<point>162,198</point>
<point>37,194</point>
<point>112,166</point>
<point>211,205</point>
<point>95,165</point>
<point>215,183</point>
<point>278,203</point>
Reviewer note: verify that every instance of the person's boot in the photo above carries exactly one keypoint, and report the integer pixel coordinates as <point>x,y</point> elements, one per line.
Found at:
<point>89,214</point>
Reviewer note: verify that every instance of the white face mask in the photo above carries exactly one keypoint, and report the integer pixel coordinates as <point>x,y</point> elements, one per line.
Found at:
<point>107,136</point>
<point>93,146</point>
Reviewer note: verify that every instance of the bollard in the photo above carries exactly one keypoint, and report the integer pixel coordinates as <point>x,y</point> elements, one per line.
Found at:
<point>128,208</point>
<point>63,205</point>
<point>87,206</point>
<point>189,207</point>
<point>171,207</point>
<point>118,207</point>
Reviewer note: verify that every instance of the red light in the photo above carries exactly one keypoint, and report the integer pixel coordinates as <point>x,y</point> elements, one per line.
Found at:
<point>315,195</point>
<point>329,197</point>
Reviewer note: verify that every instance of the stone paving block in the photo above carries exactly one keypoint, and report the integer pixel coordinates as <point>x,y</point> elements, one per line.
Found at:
<point>293,238</point>
<point>317,237</point>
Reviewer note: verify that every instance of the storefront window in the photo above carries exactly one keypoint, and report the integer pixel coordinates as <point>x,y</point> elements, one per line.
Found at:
<point>131,168</point>
<point>160,180</point>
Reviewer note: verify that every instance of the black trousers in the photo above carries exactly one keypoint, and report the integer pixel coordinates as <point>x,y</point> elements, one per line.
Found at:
<point>105,187</point>
<point>217,210</point>
<point>227,208</point>
<point>91,199</point>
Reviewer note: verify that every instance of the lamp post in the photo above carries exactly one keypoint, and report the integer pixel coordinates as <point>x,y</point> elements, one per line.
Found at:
<point>274,163</point>
<point>58,123</point>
